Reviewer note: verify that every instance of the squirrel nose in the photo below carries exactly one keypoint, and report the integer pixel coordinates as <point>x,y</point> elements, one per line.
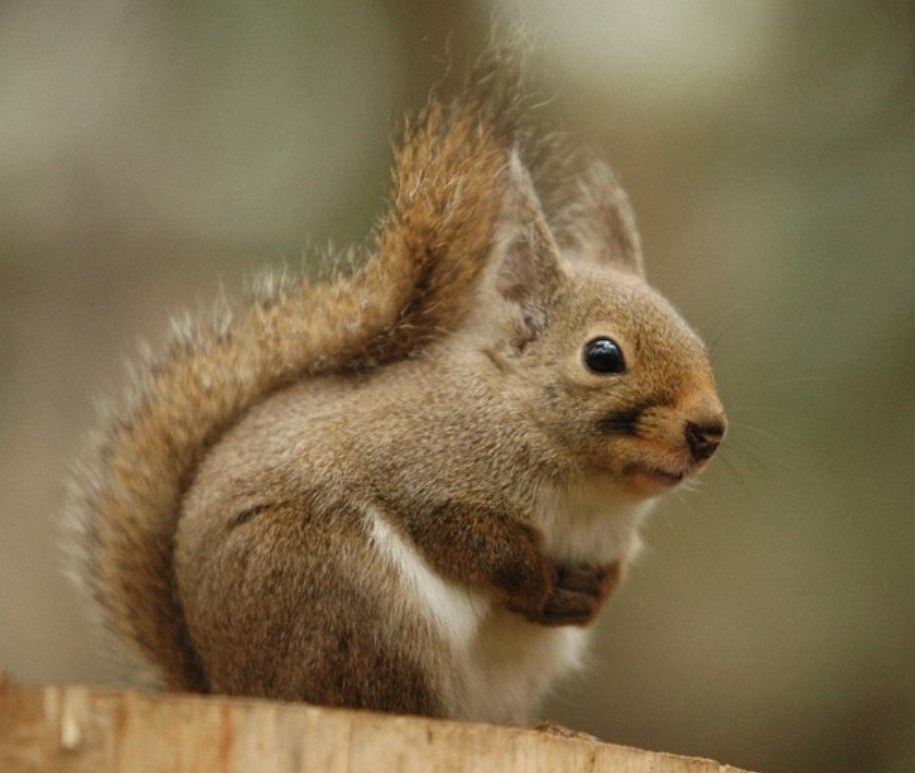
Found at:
<point>704,438</point>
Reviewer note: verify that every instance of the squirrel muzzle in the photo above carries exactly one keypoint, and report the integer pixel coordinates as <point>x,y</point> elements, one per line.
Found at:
<point>675,443</point>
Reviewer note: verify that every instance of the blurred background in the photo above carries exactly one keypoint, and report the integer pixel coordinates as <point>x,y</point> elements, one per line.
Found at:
<point>151,151</point>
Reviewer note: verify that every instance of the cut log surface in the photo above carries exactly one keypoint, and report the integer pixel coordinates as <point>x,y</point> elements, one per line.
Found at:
<point>79,728</point>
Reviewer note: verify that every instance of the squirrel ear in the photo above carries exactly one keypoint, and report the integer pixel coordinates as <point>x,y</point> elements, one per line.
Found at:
<point>524,272</point>
<point>603,229</point>
<point>588,211</point>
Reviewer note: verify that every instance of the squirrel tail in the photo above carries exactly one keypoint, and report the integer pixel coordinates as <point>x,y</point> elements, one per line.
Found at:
<point>449,184</point>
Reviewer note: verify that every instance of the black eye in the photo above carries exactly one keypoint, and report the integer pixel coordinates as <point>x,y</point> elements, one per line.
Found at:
<point>604,355</point>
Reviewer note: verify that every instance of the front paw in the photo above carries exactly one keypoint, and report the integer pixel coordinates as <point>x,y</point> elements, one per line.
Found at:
<point>578,594</point>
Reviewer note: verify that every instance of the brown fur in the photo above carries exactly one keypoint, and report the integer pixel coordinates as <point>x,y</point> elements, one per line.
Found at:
<point>225,527</point>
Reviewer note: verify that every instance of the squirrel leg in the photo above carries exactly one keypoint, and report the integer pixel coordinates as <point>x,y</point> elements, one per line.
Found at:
<point>478,545</point>
<point>474,544</point>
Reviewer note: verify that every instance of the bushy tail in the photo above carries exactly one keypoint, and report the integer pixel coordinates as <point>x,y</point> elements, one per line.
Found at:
<point>449,183</point>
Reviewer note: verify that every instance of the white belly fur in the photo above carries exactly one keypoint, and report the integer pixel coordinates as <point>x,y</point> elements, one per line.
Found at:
<point>504,664</point>
<point>593,522</point>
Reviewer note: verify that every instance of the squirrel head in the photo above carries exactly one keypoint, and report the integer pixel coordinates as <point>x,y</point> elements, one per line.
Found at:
<point>537,268</point>
<point>585,348</point>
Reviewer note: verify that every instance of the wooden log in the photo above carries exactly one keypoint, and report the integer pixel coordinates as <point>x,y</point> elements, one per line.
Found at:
<point>81,728</point>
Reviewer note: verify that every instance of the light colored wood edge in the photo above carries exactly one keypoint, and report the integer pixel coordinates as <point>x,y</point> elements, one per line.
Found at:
<point>82,728</point>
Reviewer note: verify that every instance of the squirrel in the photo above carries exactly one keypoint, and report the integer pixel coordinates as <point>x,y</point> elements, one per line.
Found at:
<point>410,486</point>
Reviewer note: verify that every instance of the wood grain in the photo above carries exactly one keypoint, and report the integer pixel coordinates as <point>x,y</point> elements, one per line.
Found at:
<point>80,728</point>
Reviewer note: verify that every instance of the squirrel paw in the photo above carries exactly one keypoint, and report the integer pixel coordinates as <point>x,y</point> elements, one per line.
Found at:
<point>578,594</point>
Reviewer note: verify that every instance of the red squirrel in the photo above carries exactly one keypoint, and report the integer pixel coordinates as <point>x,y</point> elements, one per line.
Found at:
<point>412,487</point>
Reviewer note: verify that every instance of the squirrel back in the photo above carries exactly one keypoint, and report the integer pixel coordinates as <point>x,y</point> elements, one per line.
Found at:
<point>454,415</point>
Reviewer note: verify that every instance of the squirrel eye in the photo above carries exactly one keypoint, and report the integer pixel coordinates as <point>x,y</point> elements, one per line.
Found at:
<point>604,355</point>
